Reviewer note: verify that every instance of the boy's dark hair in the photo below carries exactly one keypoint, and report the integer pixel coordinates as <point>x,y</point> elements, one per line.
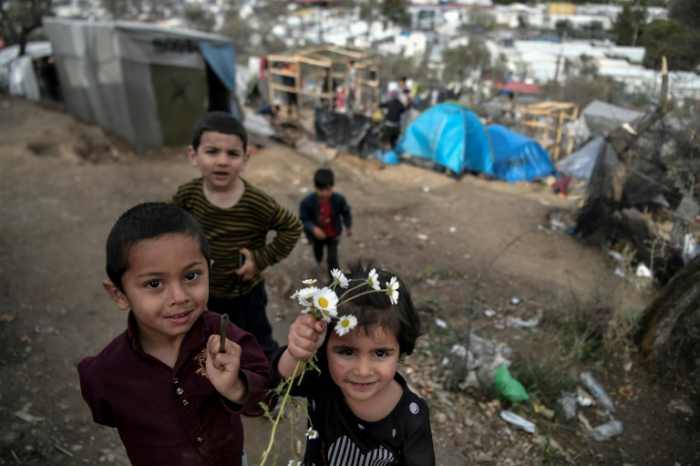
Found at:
<point>403,78</point>
<point>218,122</point>
<point>374,309</point>
<point>146,221</point>
<point>323,178</point>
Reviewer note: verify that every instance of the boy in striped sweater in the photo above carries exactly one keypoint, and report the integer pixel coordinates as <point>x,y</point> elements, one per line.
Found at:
<point>236,217</point>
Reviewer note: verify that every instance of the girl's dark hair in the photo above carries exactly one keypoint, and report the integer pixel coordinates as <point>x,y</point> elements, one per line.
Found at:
<point>146,221</point>
<point>374,309</point>
<point>219,122</point>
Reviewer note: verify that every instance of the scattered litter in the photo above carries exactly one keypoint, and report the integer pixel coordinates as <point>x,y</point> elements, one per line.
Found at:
<point>515,300</point>
<point>304,190</point>
<point>597,391</point>
<point>518,421</point>
<point>422,237</point>
<point>628,366</point>
<point>619,271</point>
<point>25,416</point>
<point>426,189</point>
<point>626,392</point>
<point>453,229</point>
<point>583,399</point>
<point>568,404</point>
<point>616,255</point>
<point>440,323</point>
<point>62,450</point>
<point>605,431</point>
<point>397,218</point>
<point>490,313</point>
<point>643,271</point>
<point>555,224</point>
<point>680,407</point>
<point>24,338</point>
<point>7,317</point>
<point>585,422</point>
<point>518,322</point>
<point>543,202</point>
<point>508,386</point>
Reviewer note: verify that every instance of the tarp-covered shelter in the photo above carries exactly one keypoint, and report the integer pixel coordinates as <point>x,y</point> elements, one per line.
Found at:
<point>601,117</point>
<point>450,136</point>
<point>580,164</point>
<point>144,82</point>
<point>517,157</point>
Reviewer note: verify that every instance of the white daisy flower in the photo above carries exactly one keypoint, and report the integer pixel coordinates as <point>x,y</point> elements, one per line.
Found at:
<point>294,295</point>
<point>306,295</point>
<point>339,279</point>
<point>326,301</point>
<point>312,434</point>
<point>392,289</point>
<point>373,279</point>
<point>345,324</point>
<point>309,282</point>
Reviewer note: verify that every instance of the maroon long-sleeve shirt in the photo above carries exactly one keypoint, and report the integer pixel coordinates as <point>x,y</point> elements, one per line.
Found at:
<point>173,416</point>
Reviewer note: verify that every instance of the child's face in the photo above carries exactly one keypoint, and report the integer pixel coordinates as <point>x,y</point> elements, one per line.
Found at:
<point>220,158</point>
<point>324,193</point>
<point>363,365</point>
<point>166,287</point>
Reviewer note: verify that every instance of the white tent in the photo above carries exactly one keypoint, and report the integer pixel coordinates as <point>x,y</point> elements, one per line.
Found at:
<point>144,82</point>
<point>17,76</point>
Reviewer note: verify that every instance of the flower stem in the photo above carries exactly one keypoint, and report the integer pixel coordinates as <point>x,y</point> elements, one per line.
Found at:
<point>358,295</point>
<point>300,365</point>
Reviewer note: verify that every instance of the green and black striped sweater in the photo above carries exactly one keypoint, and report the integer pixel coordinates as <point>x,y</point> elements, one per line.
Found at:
<point>244,225</point>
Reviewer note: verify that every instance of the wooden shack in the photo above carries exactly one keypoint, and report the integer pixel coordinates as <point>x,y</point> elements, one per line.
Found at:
<point>327,68</point>
<point>546,122</point>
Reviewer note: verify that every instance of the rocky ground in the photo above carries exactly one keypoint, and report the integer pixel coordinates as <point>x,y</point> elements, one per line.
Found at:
<point>461,245</point>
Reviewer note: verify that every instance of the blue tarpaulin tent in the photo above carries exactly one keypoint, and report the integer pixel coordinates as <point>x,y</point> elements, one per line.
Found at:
<point>516,157</point>
<point>452,137</point>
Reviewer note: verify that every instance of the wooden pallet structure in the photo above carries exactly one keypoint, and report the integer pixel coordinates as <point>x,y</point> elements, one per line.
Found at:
<point>323,62</point>
<point>546,123</point>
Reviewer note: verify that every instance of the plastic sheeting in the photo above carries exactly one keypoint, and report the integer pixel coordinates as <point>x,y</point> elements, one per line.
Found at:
<point>602,117</point>
<point>580,163</point>
<point>22,79</point>
<point>144,82</point>
<point>222,59</point>
<point>450,136</point>
<point>351,133</point>
<point>516,157</point>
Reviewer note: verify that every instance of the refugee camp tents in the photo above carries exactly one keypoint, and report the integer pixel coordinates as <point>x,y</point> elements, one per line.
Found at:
<point>17,73</point>
<point>144,82</point>
<point>450,136</point>
<point>600,117</point>
<point>580,164</point>
<point>517,157</point>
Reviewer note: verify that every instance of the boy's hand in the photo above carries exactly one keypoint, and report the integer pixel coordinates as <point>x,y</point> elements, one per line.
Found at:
<point>223,370</point>
<point>318,233</point>
<point>248,270</point>
<point>306,335</point>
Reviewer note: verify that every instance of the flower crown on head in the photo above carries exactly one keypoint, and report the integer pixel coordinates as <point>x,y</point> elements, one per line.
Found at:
<point>323,303</point>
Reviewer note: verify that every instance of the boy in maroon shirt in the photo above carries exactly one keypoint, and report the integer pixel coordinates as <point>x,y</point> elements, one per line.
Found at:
<point>166,385</point>
<point>321,213</point>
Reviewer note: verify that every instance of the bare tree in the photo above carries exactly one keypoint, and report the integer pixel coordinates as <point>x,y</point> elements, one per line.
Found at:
<point>19,18</point>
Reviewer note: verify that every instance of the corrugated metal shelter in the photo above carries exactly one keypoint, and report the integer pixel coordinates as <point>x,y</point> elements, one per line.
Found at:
<point>144,82</point>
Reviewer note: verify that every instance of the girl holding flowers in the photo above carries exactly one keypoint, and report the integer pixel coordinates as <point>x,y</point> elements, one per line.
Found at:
<point>360,409</point>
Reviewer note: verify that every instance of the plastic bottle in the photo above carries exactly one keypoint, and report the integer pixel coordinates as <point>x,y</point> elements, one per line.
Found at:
<point>605,431</point>
<point>597,391</point>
